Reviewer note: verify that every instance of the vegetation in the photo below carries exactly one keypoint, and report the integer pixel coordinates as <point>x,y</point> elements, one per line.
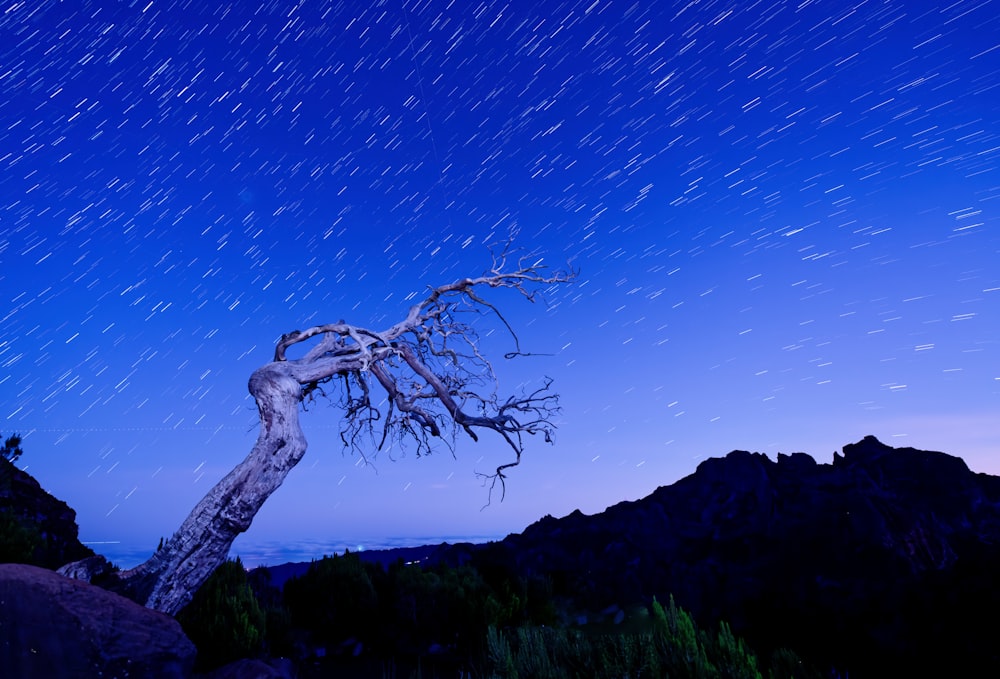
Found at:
<point>20,540</point>
<point>9,454</point>
<point>11,449</point>
<point>346,615</point>
<point>672,646</point>
<point>224,619</point>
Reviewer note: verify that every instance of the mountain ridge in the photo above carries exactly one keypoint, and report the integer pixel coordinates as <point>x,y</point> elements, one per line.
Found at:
<point>882,554</point>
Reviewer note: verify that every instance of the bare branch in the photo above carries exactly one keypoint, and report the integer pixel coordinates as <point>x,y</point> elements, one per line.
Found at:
<point>430,368</point>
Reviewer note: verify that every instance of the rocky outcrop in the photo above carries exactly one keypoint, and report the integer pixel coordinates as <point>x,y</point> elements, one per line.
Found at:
<point>22,498</point>
<point>872,563</point>
<point>55,627</point>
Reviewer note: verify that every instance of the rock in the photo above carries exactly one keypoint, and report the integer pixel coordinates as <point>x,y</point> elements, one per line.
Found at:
<point>91,569</point>
<point>55,627</point>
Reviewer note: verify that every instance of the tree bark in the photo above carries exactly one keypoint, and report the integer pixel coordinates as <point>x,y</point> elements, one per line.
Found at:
<point>170,577</point>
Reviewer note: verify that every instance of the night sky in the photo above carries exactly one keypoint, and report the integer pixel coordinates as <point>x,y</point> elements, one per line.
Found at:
<point>785,217</point>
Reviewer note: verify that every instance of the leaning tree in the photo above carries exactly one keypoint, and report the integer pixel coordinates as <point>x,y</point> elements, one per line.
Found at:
<point>423,378</point>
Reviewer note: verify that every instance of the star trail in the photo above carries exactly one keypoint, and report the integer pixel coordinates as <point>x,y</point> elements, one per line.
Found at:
<point>784,216</point>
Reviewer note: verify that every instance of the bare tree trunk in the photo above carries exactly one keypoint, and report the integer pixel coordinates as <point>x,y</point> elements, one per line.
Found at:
<point>429,367</point>
<point>169,578</point>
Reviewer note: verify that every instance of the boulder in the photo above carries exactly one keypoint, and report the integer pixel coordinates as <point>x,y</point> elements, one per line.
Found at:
<point>55,627</point>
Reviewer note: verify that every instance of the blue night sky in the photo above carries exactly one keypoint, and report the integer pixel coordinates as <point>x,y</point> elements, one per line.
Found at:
<point>785,215</point>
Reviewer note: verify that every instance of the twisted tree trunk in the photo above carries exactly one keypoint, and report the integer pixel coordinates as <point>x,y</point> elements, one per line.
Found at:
<point>429,367</point>
<point>171,576</point>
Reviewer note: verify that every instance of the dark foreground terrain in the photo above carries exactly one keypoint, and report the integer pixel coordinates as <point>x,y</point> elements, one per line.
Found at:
<point>881,563</point>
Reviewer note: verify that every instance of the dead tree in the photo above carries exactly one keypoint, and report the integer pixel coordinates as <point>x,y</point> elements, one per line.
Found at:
<point>422,379</point>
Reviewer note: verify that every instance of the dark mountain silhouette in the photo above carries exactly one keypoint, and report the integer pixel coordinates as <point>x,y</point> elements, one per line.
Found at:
<point>883,563</point>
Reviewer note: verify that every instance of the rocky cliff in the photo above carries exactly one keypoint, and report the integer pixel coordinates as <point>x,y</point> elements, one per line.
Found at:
<point>50,521</point>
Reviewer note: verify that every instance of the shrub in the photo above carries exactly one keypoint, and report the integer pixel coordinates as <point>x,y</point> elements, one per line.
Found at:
<point>335,600</point>
<point>20,541</point>
<point>11,449</point>
<point>224,619</point>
